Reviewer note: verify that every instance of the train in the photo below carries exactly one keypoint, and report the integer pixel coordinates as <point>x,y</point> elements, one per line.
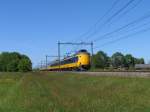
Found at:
<point>80,61</point>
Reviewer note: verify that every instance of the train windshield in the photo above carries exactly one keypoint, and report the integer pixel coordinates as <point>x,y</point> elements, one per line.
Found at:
<point>83,50</point>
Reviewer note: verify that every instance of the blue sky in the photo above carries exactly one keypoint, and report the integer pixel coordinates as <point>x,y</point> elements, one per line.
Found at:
<point>34,27</point>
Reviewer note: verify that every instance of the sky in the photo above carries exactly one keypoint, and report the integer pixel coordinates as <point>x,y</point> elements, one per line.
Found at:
<point>33,27</point>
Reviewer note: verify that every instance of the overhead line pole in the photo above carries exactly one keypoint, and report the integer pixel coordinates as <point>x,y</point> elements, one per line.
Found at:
<point>92,48</point>
<point>41,64</point>
<point>47,59</point>
<point>59,54</point>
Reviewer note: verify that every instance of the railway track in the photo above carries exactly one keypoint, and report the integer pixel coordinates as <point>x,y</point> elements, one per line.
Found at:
<point>109,73</point>
<point>118,73</point>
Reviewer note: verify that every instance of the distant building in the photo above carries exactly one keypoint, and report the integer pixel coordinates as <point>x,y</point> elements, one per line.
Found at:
<point>142,66</point>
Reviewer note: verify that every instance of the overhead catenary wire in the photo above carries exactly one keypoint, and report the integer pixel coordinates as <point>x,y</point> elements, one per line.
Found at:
<point>123,37</point>
<point>121,28</point>
<point>130,9</point>
<point>114,15</point>
<point>135,28</point>
<point>110,18</point>
<point>97,22</point>
<point>99,19</point>
<point>127,11</point>
<point>117,13</point>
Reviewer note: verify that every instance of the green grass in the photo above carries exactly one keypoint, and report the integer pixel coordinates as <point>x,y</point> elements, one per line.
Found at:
<point>58,92</point>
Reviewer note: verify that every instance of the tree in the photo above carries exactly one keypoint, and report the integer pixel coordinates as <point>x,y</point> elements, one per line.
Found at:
<point>1,67</point>
<point>139,61</point>
<point>4,61</point>
<point>118,60</point>
<point>142,61</point>
<point>100,60</point>
<point>12,66</point>
<point>129,61</point>
<point>25,65</point>
<point>9,61</point>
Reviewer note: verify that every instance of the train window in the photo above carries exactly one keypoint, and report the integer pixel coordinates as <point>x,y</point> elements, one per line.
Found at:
<point>76,59</point>
<point>71,60</point>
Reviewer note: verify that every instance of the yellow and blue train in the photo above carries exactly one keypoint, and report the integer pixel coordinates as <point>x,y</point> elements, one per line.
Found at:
<point>78,61</point>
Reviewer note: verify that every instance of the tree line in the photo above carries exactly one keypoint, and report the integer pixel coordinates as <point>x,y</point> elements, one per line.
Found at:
<point>117,61</point>
<point>14,62</point>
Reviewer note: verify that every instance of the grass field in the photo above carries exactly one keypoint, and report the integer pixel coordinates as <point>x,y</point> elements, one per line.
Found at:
<point>58,92</point>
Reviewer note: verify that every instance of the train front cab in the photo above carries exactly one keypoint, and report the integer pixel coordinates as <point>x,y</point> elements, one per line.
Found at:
<point>83,61</point>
